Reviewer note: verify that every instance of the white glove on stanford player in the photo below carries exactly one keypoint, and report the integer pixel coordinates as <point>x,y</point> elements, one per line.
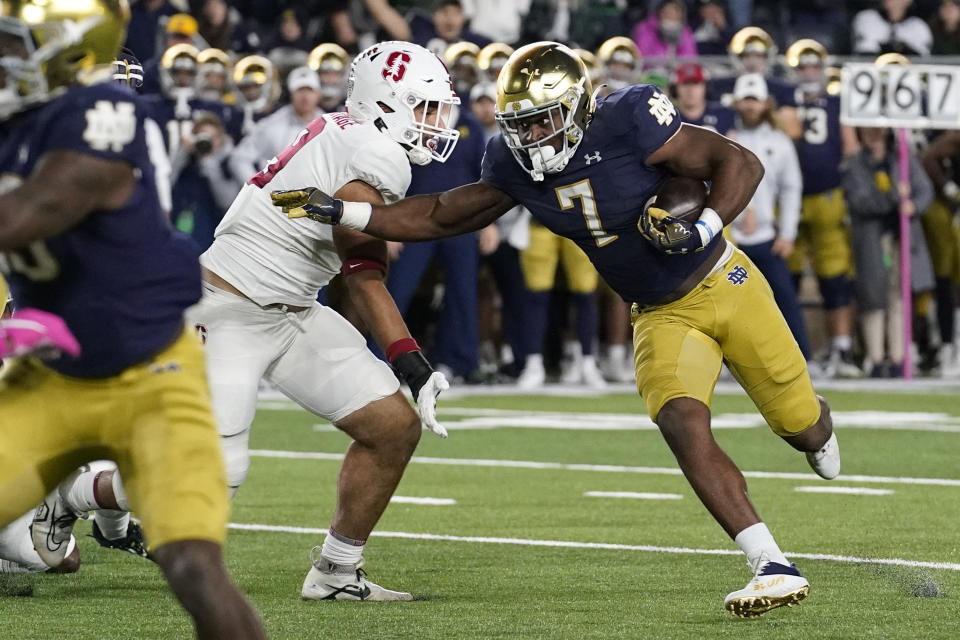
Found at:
<point>427,402</point>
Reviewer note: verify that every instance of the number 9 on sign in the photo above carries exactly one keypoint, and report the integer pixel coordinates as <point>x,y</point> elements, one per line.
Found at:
<point>865,93</point>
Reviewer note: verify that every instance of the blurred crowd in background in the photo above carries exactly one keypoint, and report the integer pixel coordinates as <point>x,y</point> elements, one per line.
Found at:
<point>232,82</point>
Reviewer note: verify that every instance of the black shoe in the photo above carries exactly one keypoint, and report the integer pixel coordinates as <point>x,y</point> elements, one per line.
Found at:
<point>133,542</point>
<point>880,370</point>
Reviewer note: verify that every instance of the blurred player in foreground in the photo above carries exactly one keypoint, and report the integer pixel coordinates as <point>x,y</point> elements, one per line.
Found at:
<point>85,239</point>
<point>587,171</point>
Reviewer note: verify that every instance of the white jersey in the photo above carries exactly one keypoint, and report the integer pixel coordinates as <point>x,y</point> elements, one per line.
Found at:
<point>274,259</point>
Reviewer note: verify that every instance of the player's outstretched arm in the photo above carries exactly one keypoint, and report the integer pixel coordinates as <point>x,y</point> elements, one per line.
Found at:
<point>734,172</point>
<point>428,217</point>
<point>64,188</point>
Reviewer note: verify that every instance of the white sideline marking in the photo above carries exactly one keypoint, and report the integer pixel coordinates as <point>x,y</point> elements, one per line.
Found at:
<point>459,418</point>
<point>430,501</point>
<point>863,491</point>
<point>948,566</point>
<point>633,494</point>
<point>558,466</point>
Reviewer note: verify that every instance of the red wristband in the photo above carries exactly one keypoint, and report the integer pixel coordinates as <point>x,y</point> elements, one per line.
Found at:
<point>354,265</point>
<point>401,346</point>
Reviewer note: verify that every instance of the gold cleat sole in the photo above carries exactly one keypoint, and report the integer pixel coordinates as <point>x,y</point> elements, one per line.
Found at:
<point>756,607</point>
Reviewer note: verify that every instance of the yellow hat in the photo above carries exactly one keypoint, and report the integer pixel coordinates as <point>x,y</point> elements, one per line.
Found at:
<point>182,23</point>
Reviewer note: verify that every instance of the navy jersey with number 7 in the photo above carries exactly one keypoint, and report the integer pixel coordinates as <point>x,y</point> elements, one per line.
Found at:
<point>120,278</point>
<point>596,201</point>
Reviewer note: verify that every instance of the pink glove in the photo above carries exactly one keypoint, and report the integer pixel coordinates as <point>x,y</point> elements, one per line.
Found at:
<point>37,333</point>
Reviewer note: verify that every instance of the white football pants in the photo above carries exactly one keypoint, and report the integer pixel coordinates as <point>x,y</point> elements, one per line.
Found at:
<point>315,357</point>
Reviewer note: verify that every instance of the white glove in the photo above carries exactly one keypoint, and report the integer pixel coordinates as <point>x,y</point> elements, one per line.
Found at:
<point>427,402</point>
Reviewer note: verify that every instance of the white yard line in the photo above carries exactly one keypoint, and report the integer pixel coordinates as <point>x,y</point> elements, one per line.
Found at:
<point>559,466</point>
<point>425,501</point>
<point>633,495</point>
<point>470,418</point>
<point>858,491</point>
<point>948,566</point>
<point>271,398</point>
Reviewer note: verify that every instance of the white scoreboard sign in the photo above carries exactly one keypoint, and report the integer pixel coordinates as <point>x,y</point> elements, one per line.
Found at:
<point>911,96</point>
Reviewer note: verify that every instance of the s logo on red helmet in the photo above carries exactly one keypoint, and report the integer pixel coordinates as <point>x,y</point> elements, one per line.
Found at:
<point>396,66</point>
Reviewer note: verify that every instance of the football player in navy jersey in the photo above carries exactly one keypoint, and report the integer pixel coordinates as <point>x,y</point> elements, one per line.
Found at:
<point>823,232</point>
<point>175,108</point>
<point>690,96</point>
<point>754,51</point>
<point>587,170</point>
<point>83,237</point>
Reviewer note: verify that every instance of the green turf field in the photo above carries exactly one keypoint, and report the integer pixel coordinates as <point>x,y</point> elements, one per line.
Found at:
<point>523,553</point>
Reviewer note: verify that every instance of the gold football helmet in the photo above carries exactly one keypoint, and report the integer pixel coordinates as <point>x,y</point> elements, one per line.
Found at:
<point>891,58</point>
<point>621,62</point>
<point>834,80</point>
<point>492,58</point>
<point>592,64</point>
<point>48,45</point>
<point>178,71</point>
<point>461,60</point>
<point>213,74</point>
<point>331,62</point>
<point>257,82</point>
<point>328,56</point>
<point>753,40</point>
<point>808,59</point>
<point>544,86</point>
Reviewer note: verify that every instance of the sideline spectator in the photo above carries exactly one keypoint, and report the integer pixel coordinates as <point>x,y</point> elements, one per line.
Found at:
<point>203,187</point>
<point>271,135</point>
<point>499,20</point>
<point>890,29</point>
<point>444,27</point>
<point>665,34</point>
<point>181,28</point>
<point>145,20</point>
<point>690,96</point>
<point>767,228</point>
<point>945,27</point>
<point>873,198</point>
<point>711,28</point>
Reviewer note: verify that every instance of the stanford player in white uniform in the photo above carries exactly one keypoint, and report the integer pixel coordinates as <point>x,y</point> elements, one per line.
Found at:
<point>259,316</point>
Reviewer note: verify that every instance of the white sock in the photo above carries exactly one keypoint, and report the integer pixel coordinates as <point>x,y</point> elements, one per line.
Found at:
<point>589,362</point>
<point>112,523</point>
<point>572,349</point>
<point>78,489</point>
<point>534,361</point>
<point>119,493</point>
<point>617,352</point>
<point>841,343</point>
<point>341,550</point>
<point>756,541</point>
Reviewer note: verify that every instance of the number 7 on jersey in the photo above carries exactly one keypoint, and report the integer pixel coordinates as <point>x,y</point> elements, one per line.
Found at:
<point>583,190</point>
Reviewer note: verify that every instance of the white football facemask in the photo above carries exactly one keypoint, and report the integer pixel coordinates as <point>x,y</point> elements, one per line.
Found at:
<point>405,91</point>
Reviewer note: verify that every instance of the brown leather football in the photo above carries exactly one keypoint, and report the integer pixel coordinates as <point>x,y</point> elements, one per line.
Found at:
<point>683,198</point>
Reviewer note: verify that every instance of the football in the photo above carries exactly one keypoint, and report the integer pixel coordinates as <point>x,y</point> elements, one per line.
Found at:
<point>681,197</point>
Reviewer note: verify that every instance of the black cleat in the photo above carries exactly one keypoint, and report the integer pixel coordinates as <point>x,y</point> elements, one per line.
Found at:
<point>133,542</point>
